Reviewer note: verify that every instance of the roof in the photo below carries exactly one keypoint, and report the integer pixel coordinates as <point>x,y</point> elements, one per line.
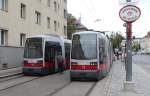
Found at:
<point>90,32</point>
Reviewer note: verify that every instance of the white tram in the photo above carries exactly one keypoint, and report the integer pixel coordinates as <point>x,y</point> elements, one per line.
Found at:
<point>91,55</point>
<point>40,54</point>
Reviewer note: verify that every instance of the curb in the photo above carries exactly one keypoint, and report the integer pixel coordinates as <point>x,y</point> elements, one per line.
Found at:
<point>10,72</point>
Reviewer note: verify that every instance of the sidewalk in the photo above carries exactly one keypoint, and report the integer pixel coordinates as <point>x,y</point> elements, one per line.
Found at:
<point>10,72</point>
<point>140,78</point>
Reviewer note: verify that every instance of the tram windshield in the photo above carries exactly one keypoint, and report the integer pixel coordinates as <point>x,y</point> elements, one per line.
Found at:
<point>84,46</point>
<point>33,48</point>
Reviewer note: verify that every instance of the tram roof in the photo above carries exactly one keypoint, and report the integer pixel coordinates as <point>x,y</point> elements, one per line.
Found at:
<point>51,37</point>
<point>45,36</point>
<point>90,32</point>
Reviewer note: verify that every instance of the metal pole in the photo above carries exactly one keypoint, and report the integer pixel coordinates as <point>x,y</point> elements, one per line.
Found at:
<point>129,53</point>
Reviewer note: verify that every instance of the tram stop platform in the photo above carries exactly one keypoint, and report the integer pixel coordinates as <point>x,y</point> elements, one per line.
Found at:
<point>116,84</point>
<point>10,72</point>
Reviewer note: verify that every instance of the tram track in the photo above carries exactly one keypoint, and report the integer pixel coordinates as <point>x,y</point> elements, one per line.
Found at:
<point>57,90</point>
<point>90,90</point>
<point>103,87</point>
<point>14,81</point>
<point>10,77</point>
<point>71,86</point>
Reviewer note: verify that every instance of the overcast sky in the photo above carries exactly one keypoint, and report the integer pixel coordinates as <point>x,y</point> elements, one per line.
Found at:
<point>107,13</point>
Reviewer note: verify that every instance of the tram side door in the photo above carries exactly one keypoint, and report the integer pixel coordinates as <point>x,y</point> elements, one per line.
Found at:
<point>51,51</point>
<point>54,49</point>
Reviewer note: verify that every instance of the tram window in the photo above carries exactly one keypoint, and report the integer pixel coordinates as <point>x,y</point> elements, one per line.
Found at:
<point>101,50</point>
<point>47,51</point>
<point>67,50</point>
<point>101,45</point>
<point>50,49</point>
<point>33,48</point>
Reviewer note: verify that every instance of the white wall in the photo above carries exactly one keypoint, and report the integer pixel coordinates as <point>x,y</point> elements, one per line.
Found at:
<point>15,25</point>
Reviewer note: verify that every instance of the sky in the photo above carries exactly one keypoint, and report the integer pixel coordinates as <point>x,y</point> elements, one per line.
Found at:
<point>103,15</point>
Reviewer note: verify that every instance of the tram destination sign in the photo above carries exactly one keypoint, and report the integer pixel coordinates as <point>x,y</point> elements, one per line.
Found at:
<point>129,13</point>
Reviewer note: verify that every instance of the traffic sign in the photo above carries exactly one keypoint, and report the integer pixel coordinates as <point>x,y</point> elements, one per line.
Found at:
<point>132,2</point>
<point>129,13</point>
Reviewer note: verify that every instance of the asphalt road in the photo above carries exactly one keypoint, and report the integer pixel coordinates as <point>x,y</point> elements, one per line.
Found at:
<point>143,61</point>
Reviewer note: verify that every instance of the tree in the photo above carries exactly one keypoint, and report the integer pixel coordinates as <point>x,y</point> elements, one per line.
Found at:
<point>136,47</point>
<point>70,25</point>
<point>116,40</point>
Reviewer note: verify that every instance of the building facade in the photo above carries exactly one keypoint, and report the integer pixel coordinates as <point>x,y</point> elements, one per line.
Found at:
<point>145,44</point>
<point>20,19</point>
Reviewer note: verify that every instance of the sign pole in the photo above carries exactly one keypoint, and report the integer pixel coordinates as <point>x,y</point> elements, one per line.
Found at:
<point>129,14</point>
<point>129,52</point>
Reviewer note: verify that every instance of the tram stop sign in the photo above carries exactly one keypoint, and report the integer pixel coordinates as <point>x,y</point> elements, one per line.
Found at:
<point>129,13</point>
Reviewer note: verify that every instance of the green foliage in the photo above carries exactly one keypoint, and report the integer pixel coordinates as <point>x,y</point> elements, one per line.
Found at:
<point>116,40</point>
<point>70,25</point>
<point>70,30</point>
<point>136,47</point>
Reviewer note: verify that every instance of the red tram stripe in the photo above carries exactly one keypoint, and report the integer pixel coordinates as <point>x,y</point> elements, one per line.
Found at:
<point>83,67</point>
<point>88,67</point>
<point>33,65</point>
<point>47,65</point>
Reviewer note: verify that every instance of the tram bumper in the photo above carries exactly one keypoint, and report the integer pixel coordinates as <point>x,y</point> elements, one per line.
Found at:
<point>85,74</point>
<point>34,71</point>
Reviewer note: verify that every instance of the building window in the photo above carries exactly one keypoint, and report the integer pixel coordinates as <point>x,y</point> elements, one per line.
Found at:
<point>48,22</point>
<point>65,30</point>
<point>65,14</point>
<point>65,1</point>
<point>23,11</point>
<point>58,6</point>
<point>38,17</point>
<point>3,37</point>
<point>55,6</point>
<point>58,25</point>
<point>4,5</point>
<point>55,25</point>
<point>49,3</point>
<point>22,39</point>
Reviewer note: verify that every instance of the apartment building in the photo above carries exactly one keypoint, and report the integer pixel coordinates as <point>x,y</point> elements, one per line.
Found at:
<point>20,19</point>
<point>145,43</point>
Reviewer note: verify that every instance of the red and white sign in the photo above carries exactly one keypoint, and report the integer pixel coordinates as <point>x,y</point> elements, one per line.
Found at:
<point>132,2</point>
<point>129,13</point>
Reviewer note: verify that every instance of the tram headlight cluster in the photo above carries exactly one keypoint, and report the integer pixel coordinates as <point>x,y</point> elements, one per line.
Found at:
<point>93,63</point>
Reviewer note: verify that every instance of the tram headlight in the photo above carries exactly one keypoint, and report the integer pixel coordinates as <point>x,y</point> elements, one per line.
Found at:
<point>93,63</point>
